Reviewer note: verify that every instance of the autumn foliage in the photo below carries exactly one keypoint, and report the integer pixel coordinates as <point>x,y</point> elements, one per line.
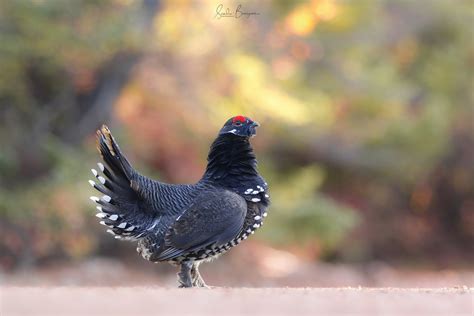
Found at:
<point>365,109</point>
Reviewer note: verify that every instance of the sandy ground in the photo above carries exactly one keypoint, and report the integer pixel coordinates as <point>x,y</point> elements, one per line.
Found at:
<point>237,272</point>
<point>232,301</point>
<point>256,281</point>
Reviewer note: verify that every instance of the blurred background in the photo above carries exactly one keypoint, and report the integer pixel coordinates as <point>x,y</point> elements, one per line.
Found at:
<point>366,137</point>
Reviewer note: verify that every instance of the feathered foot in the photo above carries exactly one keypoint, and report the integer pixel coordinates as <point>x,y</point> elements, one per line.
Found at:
<point>197,278</point>
<point>184,275</point>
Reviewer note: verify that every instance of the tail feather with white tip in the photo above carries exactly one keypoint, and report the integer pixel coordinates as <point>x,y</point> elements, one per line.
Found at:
<point>119,207</point>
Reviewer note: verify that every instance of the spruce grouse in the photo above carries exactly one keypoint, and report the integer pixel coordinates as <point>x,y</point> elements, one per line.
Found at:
<point>189,223</point>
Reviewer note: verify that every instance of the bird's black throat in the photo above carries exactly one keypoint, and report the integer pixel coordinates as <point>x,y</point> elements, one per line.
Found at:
<point>231,161</point>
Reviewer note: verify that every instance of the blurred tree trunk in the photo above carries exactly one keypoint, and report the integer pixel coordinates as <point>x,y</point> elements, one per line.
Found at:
<point>58,107</point>
<point>49,107</point>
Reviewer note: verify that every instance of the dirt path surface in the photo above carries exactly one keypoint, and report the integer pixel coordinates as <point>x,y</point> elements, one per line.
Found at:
<point>232,301</point>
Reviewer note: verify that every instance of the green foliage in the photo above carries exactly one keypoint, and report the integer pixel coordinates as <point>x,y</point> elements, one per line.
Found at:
<point>298,213</point>
<point>56,37</point>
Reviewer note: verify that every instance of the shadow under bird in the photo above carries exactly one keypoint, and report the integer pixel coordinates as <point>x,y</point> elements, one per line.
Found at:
<point>184,224</point>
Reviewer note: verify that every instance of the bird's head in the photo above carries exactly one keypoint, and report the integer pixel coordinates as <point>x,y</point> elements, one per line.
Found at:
<point>239,125</point>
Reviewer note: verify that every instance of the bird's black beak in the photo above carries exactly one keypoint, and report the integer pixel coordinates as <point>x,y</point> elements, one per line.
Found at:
<point>253,129</point>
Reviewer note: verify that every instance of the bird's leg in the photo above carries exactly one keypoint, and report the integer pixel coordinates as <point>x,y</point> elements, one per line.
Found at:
<point>184,275</point>
<point>196,276</point>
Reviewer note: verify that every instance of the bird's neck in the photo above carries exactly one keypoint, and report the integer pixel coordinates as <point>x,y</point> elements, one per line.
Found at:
<point>231,160</point>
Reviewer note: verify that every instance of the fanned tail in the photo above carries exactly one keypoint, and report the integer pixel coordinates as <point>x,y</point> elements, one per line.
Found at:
<point>119,206</point>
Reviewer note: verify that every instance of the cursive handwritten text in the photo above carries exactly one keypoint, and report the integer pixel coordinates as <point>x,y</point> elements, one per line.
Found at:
<point>228,13</point>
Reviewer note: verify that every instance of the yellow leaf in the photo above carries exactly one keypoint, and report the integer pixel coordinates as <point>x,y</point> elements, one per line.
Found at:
<point>301,21</point>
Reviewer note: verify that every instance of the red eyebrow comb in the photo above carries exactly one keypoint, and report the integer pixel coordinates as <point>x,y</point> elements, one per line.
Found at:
<point>239,118</point>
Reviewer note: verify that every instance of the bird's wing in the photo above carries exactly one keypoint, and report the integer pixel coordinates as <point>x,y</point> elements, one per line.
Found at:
<point>214,219</point>
<point>122,207</point>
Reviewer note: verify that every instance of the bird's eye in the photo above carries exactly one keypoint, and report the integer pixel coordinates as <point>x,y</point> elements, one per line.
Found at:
<point>237,123</point>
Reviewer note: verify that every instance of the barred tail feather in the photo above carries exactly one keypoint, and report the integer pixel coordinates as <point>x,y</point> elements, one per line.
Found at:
<point>118,208</point>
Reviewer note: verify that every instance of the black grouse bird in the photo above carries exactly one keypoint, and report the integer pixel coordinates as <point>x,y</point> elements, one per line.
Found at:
<point>189,223</point>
